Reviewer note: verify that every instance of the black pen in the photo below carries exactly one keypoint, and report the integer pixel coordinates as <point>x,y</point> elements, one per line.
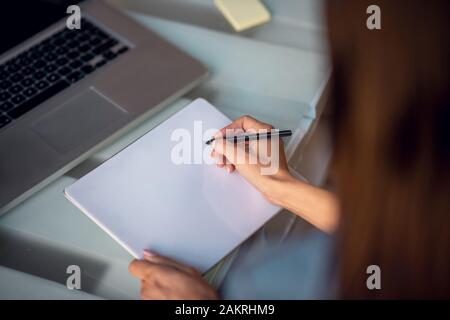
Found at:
<point>245,137</point>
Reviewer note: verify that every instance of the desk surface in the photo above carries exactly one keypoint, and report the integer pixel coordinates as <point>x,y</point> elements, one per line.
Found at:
<point>268,72</point>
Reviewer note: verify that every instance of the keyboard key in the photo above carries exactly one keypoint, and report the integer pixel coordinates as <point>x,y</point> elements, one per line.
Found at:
<point>38,64</point>
<point>61,35</point>
<point>109,55</point>
<point>38,99</point>
<point>39,75</point>
<point>61,50</point>
<point>73,44</point>
<point>53,77</point>
<point>70,34</point>
<point>18,98</point>
<point>6,106</point>
<point>22,55</point>
<point>16,61</point>
<point>48,41</point>
<point>87,57</point>
<point>100,63</point>
<point>75,76</point>
<point>99,33</point>
<point>27,82</point>
<point>95,41</point>
<point>64,70</point>
<point>42,84</point>
<point>62,61</point>
<point>122,50</point>
<point>5,84</point>
<point>51,67</point>
<point>27,71</point>
<point>15,89</point>
<point>87,69</point>
<point>30,92</point>
<point>76,64</point>
<point>59,41</point>
<point>24,60</point>
<point>11,68</point>
<point>4,121</point>
<point>46,48</point>
<point>84,48</point>
<point>82,34</point>
<point>16,77</point>
<point>73,54</point>
<point>50,57</point>
<point>34,55</point>
<point>4,95</point>
<point>105,46</point>
<point>84,37</point>
<point>3,75</point>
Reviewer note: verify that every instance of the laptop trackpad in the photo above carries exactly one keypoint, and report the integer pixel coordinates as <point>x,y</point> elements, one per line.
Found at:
<point>77,121</point>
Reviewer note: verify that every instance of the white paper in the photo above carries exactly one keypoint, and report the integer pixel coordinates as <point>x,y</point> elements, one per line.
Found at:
<point>194,213</point>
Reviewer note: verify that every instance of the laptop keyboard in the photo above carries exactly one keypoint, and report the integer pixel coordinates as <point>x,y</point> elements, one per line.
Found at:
<point>51,66</point>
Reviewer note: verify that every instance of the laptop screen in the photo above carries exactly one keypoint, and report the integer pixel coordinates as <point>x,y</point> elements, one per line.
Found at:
<point>21,19</point>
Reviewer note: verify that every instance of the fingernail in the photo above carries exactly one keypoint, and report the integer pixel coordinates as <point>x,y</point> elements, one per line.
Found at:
<point>149,254</point>
<point>229,169</point>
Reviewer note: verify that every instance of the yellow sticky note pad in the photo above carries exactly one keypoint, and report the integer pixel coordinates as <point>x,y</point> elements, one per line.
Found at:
<point>243,14</point>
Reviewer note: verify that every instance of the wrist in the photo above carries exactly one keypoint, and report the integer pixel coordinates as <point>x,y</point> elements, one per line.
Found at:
<point>278,187</point>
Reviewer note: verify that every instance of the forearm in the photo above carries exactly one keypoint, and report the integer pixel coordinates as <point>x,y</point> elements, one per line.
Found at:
<point>317,206</point>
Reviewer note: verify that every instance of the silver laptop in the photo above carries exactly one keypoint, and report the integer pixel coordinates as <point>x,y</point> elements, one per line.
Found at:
<point>66,93</point>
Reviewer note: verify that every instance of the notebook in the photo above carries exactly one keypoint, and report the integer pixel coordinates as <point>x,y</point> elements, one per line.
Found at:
<point>163,193</point>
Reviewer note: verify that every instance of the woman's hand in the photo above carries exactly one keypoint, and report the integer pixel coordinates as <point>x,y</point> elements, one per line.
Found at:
<point>270,163</point>
<point>165,279</point>
<point>319,207</point>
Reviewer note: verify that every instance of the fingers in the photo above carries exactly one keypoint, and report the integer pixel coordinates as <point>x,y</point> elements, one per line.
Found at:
<point>145,268</point>
<point>246,123</point>
<point>222,153</point>
<point>251,123</point>
<point>229,154</point>
<point>164,278</point>
<point>163,261</point>
<point>139,268</point>
<point>150,293</point>
<point>228,149</point>
<point>234,153</point>
<point>230,168</point>
<point>222,161</point>
<point>148,270</point>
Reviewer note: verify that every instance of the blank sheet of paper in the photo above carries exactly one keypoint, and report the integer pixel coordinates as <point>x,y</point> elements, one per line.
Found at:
<point>193,212</point>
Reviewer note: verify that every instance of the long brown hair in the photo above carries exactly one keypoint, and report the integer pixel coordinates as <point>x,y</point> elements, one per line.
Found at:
<point>391,99</point>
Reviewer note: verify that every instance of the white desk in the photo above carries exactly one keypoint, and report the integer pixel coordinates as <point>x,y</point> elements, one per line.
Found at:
<point>275,72</point>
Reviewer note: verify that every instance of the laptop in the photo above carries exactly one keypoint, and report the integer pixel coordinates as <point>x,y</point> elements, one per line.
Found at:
<point>66,93</point>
